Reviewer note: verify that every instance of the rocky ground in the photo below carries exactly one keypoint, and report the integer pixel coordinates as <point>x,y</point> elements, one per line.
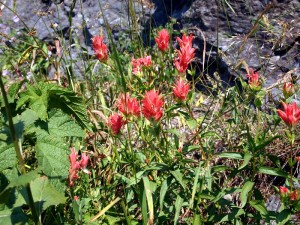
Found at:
<point>265,34</point>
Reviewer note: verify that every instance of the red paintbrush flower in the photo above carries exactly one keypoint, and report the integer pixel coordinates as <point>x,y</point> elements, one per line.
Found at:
<point>152,105</point>
<point>128,106</point>
<point>181,89</point>
<point>290,114</point>
<point>162,40</point>
<point>115,122</point>
<point>100,48</point>
<point>186,53</point>
<point>138,64</point>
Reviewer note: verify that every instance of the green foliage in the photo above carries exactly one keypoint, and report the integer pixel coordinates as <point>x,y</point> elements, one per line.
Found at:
<point>44,96</point>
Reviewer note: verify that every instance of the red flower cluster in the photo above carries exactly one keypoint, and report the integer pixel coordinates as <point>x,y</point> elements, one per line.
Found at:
<point>283,190</point>
<point>162,40</point>
<point>138,64</point>
<point>181,89</point>
<point>253,78</point>
<point>185,54</point>
<point>100,48</point>
<point>128,106</point>
<point>115,122</point>
<point>75,165</point>
<point>293,195</point>
<point>290,115</point>
<point>152,105</point>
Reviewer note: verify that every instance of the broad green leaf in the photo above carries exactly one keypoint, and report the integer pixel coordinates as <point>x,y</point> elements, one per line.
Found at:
<point>178,205</point>
<point>8,156</point>
<point>231,155</point>
<point>61,125</point>
<point>178,176</point>
<point>14,216</point>
<point>247,158</point>
<point>23,179</point>
<point>44,194</point>
<point>13,90</point>
<point>42,97</point>
<point>37,98</point>
<point>245,192</point>
<point>52,155</point>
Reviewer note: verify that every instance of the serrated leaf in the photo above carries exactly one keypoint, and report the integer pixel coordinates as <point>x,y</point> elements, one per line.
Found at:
<point>24,179</point>
<point>44,194</point>
<point>245,192</point>
<point>13,90</point>
<point>62,125</point>
<point>37,99</point>
<point>52,155</point>
<point>44,96</point>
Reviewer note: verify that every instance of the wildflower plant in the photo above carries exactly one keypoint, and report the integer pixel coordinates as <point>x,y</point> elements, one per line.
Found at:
<point>136,143</point>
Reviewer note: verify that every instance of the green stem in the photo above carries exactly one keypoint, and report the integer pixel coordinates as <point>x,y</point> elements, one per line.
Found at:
<point>128,221</point>
<point>18,151</point>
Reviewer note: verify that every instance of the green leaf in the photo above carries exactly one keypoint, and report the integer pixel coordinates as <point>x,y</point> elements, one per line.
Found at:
<point>247,158</point>
<point>284,216</point>
<point>259,205</point>
<point>219,218</point>
<point>231,155</point>
<point>13,217</point>
<point>44,194</point>
<point>23,179</point>
<point>52,155</point>
<point>220,168</point>
<point>8,156</point>
<point>42,97</point>
<point>149,198</point>
<point>178,176</point>
<point>37,98</point>
<point>163,190</point>
<point>195,185</point>
<point>245,192</point>
<point>13,90</point>
<point>61,125</point>
<point>192,123</point>
<point>273,171</point>
<point>178,205</point>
